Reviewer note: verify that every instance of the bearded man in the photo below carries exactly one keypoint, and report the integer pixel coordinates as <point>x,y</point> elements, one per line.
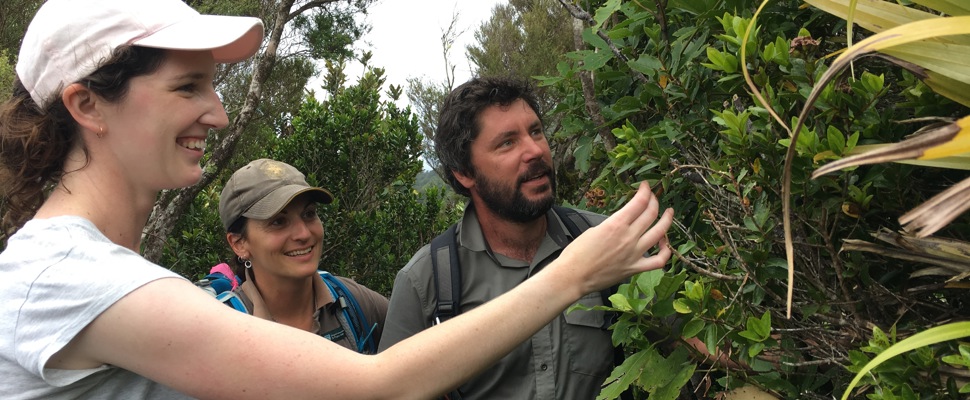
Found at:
<point>491,144</point>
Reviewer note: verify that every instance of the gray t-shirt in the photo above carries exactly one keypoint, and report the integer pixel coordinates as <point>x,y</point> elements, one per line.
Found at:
<point>56,276</point>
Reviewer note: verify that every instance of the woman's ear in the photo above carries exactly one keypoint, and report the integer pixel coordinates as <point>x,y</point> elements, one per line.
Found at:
<point>81,102</point>
<point>238,244</point>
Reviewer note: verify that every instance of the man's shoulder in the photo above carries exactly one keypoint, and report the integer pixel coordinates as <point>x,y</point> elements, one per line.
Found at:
<point>419,262</point>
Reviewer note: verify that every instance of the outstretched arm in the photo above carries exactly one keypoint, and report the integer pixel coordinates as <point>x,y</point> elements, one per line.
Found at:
<point>173,333</point>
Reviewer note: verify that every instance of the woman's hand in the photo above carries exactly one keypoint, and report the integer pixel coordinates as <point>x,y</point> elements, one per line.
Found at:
<point>619,247</point>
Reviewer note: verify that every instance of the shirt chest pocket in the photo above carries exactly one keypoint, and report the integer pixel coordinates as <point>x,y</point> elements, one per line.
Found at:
<point>589,343</point>
<point>588,318</point>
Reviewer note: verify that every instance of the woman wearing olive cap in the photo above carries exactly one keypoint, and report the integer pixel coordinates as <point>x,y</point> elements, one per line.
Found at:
<point>113,104</point>
<point>270,216</point>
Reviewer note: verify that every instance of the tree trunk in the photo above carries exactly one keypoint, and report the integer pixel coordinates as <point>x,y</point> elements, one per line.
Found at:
<point>589,91</point>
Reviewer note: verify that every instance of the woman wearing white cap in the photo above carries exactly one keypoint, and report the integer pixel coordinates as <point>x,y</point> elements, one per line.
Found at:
<point>113,104</point>
<point>270,215</point>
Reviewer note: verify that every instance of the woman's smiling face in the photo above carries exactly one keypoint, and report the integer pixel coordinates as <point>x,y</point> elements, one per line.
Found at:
<point>157,132</point>
<point>289,243</point>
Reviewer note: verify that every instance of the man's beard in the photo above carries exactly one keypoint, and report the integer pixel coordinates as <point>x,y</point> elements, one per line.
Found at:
<point>509,203</point>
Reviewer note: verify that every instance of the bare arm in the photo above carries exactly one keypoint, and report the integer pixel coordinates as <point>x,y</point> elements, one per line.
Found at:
<point>175,334</point>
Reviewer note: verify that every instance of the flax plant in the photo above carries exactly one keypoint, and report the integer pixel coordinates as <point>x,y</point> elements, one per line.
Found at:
<point>936,48</point>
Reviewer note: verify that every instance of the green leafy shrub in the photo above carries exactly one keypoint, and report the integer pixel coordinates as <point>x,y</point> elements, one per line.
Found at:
<point>669,82</point>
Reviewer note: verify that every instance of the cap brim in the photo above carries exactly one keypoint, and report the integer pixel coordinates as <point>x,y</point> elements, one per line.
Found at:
<point>230,38</point>
<point>277,200</point>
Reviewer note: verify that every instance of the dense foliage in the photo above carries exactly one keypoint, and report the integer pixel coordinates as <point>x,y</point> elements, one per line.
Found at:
<point>655,92</point>
<point>669,83</point>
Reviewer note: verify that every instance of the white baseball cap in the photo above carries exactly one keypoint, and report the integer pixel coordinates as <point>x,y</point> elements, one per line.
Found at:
<point>70,39</point>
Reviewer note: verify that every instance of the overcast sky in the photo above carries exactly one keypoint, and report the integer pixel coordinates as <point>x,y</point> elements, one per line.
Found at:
<point>406,38</point>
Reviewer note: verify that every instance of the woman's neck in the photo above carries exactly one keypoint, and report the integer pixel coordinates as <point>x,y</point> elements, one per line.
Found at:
<point>116,208</point>
<point>290,302</point>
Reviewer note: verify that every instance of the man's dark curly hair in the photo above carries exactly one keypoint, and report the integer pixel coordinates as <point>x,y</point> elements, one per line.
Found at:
<point>458,123</point>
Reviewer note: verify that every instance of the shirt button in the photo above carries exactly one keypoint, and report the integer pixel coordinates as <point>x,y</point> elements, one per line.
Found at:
<point>543,367</point>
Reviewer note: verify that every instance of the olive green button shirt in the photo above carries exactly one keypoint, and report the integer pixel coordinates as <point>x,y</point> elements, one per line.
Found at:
<point>567,359</point>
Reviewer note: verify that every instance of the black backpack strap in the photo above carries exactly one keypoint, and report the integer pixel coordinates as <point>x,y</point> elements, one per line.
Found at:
<point>574,220</point>
<point>447,281</point>
<point>576,223</point>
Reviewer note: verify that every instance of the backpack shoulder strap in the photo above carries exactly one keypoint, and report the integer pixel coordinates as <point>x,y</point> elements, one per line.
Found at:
<point>357,324</point>
<point>447,282</point>
<point>575,222</point>
<point>218,286</point>
<point>231,299</point>
<point>447,279</point>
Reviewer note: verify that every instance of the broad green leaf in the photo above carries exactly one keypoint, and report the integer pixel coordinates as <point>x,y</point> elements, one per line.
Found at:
<point>930,336</point>
<point>663,377</point>
<point>692,328</point>
<point>755,349</point>
<point>624,374</point>
<point>948,59</point>
<point>596,60</point>
<point>594,40</point>
<point>951,7</point>
<point>681,306</point>
<point>873,15</point>
<point>717,59</point>
<point>646,64</point>
<point>584,147</point>
<point>836,139</point>
<point>959,161</point>
<point>647,283</point>
<point>620,302</point>
<point>603,13</point>
<point>948,87</point>
<point>760,326</point>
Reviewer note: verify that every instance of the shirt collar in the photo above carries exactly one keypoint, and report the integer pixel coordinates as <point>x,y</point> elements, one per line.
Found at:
<point>471,237</point>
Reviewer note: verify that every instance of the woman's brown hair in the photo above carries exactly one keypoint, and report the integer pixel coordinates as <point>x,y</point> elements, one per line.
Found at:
<point>35,142</point>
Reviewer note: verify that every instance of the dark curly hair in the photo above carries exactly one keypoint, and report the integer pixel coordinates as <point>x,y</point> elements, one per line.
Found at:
<point>35,142</point>
<point>458,123</point>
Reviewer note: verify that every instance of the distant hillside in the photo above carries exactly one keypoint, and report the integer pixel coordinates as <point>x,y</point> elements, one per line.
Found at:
<point>427,179</point>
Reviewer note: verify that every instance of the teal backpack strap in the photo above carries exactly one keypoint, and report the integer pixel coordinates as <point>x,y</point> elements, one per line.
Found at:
<point>361,331</point>
<point>214,285</point>
<point>232,300</point>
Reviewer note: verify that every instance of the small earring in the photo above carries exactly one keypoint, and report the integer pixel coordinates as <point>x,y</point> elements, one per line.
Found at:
<point>248,264</point>
<point>100,132</point>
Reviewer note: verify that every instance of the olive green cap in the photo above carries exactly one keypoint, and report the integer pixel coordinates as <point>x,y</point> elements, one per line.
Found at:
<point>262,188</point>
